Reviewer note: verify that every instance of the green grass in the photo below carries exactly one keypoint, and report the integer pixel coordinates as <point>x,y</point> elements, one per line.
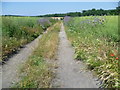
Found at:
<point>17,31</point>
<point>36,72</point>
<point>94,44</point>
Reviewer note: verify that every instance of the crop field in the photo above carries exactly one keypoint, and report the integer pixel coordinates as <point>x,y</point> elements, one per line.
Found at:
<point>17,31</point>
<point>95,40</point>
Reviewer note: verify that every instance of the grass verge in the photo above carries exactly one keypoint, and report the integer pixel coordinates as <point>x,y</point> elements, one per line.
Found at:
<point>36,72</point>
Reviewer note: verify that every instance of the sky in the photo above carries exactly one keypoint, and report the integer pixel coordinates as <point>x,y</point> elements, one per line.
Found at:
<point>42,8</point>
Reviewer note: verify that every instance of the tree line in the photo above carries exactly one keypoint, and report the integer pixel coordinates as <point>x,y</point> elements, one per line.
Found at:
<point>93,12</point>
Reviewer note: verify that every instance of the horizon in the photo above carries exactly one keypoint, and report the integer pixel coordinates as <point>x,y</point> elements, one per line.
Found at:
<point>43,8</point>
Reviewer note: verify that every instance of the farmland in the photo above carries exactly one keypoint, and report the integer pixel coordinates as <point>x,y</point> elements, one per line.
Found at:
<point>60,44</point>
<point>95,40</point>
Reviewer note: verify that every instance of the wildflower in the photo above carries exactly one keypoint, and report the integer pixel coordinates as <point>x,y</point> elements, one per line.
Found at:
<point>116,58</point>
<point>44,22</point>
<point>112,55</point>
<point>67,19</point>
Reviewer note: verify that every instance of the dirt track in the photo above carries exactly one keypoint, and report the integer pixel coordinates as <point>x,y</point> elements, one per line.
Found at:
<point>71,73</point>
<point>11,68</point>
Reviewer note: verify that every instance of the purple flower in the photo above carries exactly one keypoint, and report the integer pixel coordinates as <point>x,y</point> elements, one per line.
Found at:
<point>66,19</point>
<point>44,22</point>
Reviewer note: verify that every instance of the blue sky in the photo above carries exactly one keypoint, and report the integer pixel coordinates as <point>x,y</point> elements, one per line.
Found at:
<point>41,8</point>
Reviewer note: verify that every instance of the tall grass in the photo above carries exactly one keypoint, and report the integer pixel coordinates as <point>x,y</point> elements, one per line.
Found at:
<point>36,72</point>
<point>17,31</point>
<point>95,40</point>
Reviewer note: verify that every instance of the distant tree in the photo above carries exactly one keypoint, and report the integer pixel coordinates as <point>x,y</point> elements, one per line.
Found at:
<point>93,11</point>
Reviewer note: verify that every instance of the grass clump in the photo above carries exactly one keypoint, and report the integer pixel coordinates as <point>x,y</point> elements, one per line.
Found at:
<point>36,72</point>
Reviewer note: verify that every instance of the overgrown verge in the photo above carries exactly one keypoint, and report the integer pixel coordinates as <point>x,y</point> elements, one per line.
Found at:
<point>36,72</point>
<point>95,40</point>
<point>17,31</point>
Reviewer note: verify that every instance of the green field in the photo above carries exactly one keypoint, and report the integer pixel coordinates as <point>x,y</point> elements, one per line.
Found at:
<point>17,31</point>
<point>95,39</point>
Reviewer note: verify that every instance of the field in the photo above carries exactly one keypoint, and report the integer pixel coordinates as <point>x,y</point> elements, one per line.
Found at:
<point>17,31</point>
<point>95,39</point>
<point>60,45</point>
